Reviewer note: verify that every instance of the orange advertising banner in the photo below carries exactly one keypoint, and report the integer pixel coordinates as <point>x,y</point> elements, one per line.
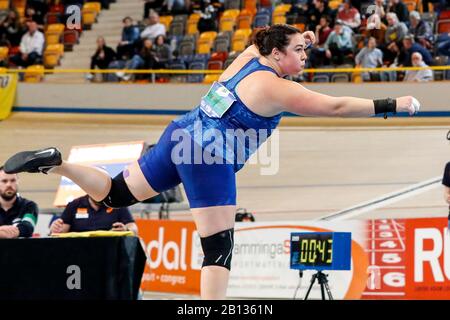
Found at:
<point>427,259</point>
<point>173,263</point>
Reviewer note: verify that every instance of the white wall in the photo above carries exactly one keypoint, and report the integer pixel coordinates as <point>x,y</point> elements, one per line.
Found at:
<point>434,96</point>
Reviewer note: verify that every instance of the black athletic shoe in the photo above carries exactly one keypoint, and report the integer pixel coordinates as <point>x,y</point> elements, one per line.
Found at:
<point>33,161</point>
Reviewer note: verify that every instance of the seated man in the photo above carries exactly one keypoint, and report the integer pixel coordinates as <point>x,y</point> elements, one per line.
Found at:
<point>31,47</point>
<point>339,43</point>
<point>84,214</point>
<point>418,75</point>
<point>18,216</point>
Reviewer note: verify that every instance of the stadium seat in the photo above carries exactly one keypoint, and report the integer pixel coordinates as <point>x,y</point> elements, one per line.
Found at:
<point>34,73</point>
<point>4,53</point>
<point>52,55</point>
<point>279,18</point>
<point>197,77</point>
<point>227,24</point>
<point>443,26</point>
<point>210,78</point>
<point>70,38</point>
<point>4,4</point>
<point>166,21</point>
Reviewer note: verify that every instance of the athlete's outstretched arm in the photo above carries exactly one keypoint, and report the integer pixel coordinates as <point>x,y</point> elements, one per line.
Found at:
<point>295,98</point>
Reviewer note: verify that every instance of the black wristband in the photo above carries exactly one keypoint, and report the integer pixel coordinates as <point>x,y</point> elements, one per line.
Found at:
<point>385,106</point>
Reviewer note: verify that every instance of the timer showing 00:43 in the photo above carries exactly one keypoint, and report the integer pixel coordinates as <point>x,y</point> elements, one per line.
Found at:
<point>321,250</point>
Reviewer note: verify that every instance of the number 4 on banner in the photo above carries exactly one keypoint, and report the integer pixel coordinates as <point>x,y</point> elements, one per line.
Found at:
<point>388,244</point>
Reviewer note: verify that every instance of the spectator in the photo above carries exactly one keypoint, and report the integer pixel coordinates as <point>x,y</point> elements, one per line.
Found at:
<point>320,8</point>
<point>421,30</point>
<point>409,47</point>
<point>349,16</point>
<point>154,28</point>
<point>85,214</point>
<point>339,43</point>
<point>323,30</point>
<point>380,8</point>
<point>146,59</point>
<point>130,34</point>
<point>396,30</point>
<point>208,18</point>
<point>12,28</point>
<point>31,14</point>
<point>31,47</point>
<point>399,8</point>
<point>418,75</point>
<point>370,57</point>
<point>376,28</point>
<point>18,216</point>
<point>162,49</point>
<point>176,6</point>
<point>102,57</point>
<point>150,5</point>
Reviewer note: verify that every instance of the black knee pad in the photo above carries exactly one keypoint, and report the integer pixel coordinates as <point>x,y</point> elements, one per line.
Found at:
<point>119,195</point>
<point>218,249</point>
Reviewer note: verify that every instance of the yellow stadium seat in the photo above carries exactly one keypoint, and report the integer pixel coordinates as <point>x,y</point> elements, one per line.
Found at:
<point>334,4</point>
<point>244,22</point>
<point>210,78</point>
<point>233,13</point>
<point>282,8</point>
<point>240,39</point>
<point>4,53</point>
<point>34,73</point>
<point>238,45</point>
<point>4,4</point>
<point>92,6</point>
<point>89,18</point>
<point>51,59</point>
<point>192,27</point>
<point>210,35</point>
<point>279,19</point>
<point>56,48</point>
<point>227,24</point>
<point>243,33</point>
<point>194,17</point>
<point>204,46</point>
<point>56,27</point>
<point>52,37</point>
<point>166,21</point>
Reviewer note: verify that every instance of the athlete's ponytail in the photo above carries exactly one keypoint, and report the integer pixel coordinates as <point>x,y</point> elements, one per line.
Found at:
<point>276,36</point>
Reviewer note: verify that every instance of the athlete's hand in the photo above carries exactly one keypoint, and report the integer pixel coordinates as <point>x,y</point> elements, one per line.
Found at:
<point>408,104</point>
<point>310,38</point>
<point>57,226</point>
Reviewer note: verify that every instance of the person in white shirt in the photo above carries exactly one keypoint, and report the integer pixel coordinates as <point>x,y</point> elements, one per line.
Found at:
<point>418,75</point>
<point>154,28</point>
<point>31,47</point>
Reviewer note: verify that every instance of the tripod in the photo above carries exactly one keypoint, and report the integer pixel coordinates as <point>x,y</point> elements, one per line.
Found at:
<point>323,282</point>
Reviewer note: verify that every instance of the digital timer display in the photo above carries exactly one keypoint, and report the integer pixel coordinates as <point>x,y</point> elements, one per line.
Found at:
<point>321,250</point>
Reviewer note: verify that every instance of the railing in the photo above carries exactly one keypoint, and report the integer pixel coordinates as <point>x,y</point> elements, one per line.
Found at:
<point>153,72</point>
